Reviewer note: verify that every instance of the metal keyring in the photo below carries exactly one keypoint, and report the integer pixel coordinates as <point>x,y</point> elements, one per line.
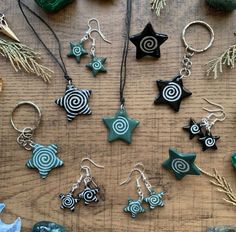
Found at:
<point>205,25</point>
<point>26,103</point>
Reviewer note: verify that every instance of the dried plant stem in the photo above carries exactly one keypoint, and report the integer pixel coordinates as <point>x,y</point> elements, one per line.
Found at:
<point>23,57</point>
<point>157,6</point>
<point>223,186</point>
<point>227,58</point>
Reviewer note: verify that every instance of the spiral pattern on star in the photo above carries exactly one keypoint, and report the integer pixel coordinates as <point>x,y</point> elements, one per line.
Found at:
<point>148,44</point>
<point>172,92</point>
<point>180,165</point>
<point>120,126</point>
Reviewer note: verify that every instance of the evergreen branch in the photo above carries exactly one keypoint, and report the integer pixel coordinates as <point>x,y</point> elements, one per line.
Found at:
<point>227,58</point>
<point>24,58</point>
<point>157,6</point>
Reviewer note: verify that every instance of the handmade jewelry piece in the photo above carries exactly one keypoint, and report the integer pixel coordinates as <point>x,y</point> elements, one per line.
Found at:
<point>155,199</point>
<point>222,4</point>
<point>121,126</point>
<point>173,92</point>
<point>148,42</point>
<point>20,56</point>
<point>222,229</point>
<point>88,195</point>
<point>203,128</point>
<point>53,5</point>
<point>46,226</point>
<point>14,227</point>
<point>44,158</point>
<point>74,101</point>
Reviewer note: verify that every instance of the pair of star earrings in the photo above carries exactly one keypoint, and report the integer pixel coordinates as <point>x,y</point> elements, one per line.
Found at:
<point>90,192</point>
<point>202,129</point>
<point>77,50</point>
<point>154,199</point>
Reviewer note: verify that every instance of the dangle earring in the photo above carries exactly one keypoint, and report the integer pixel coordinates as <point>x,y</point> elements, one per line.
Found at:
<point>153,200</point>
<point>173,92</point>
<point>44,158</point>
<point>90,192</point>
<point>96,65</point>
<point>203,128</point>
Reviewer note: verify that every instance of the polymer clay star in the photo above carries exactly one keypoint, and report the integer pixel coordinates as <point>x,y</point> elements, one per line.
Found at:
<point>193,128</point>
<point>68,201</point>
<point>181,164</point>
<point>120,126</point>
<point>44,158</point>
<point>148,42</point>
<point>134,207</point>
<point>75,101</point>
<point>154,199</point>
<point>77,50</point>
<point>171,93</point>
<point>96,65</point>
<point>209,141</point>
<point>89,195</point>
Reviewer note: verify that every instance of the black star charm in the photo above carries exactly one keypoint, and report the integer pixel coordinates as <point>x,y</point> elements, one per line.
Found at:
<point>89,195</point>
<point>148,42</point>
<point>209,141</point>
<point>68,201</point>
<point>75,101</point>
<point>172,93</point>
<point>193,128</point>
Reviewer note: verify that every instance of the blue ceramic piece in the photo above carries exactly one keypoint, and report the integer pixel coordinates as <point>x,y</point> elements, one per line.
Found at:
<point>45,226</point>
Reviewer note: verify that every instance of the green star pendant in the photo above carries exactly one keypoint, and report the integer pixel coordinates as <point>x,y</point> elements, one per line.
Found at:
<point>120,126</point>
<point>96,65</point>
<point>181,164</point>
<point>134,207</point>
<point>77,50</point>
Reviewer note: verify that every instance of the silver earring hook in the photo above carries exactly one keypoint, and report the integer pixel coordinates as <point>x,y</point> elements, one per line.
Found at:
<point>94,20</point>
<point>91,161</point>
<point>100,33</point>
<point>130,174</point>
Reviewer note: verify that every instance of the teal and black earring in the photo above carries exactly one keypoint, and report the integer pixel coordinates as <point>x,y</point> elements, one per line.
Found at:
<point>44,158</point>
<point>134,207</point>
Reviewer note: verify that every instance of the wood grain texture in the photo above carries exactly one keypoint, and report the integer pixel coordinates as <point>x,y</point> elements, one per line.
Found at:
<point>191,204</point>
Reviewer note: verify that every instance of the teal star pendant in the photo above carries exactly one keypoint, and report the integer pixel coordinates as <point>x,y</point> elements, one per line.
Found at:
<point>155,199</point>
<point>96,65</point>
<point>181,164</point>
<point>120,126</point>
<point>44,158</point>
<point>77,50</point>
<point>134,207</point>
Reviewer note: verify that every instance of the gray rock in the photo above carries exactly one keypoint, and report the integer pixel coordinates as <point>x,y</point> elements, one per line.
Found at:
<point>222,229</point>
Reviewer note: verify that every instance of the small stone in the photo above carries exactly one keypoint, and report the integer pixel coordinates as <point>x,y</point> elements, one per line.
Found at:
<point>53,5</point>
<point>222,229</point>
<point>223,4</point>
<point>48,226</point>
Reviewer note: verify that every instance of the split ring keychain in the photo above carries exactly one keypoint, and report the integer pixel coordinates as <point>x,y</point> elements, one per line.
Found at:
<point>44,158</point>
<point>173,92</point>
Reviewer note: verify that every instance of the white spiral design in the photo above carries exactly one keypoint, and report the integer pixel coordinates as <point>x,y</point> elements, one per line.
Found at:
<point>180,165</point>
<point>155,200</point>
<point>68,201</point>
<point>210,142</point>
<point>77,51</point>
<point>120,126</point>
<point>97,65</point>
<point>134,208</point>
<point>148,44</point>
<point>195,129</point>
<point>90,195</point>
<point>172,92</point>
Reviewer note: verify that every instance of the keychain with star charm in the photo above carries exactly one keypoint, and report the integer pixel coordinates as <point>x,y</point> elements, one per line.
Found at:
<point>75,100</point>
<point>173,92</point>
<point>121,126</point>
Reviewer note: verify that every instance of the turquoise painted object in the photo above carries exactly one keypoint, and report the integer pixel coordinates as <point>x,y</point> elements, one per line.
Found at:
<point>222,229</point>
<point>45,226</point>
<point>14,227</point>
<point>53,5</point>
<point>227,5</point>
<point>233,160</point>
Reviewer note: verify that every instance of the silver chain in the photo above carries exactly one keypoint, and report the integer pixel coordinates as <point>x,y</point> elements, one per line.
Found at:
<point>25,138</point>
<point>187,64</point>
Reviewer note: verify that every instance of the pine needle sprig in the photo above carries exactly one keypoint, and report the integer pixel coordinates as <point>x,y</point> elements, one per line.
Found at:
<point>222,186</point>
<point>227,58</point>
<point>157,6</point>
<point>24,58</point>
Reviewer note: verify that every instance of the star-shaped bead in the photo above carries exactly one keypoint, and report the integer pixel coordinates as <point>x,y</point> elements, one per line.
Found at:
<point>75,101</point>
<point>155,199</point>
<point>193,128</point>
<point>148,42</point>
<point>68,201</point>
<point>209,141</point>
<point>89,195</point>
<point>134,207</point>
<point>96,65</point>
<point>181,164</point>
<point>120,126</point>
<point>44,158</point>
<point>77,50</point>
<point>171,93</point>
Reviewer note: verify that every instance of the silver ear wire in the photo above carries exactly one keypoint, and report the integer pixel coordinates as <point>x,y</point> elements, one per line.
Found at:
<point>91,161</point>
<point>77,184</point>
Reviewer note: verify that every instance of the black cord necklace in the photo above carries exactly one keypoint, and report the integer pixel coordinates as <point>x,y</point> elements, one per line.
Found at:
<point>121,126</point>
<point>74,101</point>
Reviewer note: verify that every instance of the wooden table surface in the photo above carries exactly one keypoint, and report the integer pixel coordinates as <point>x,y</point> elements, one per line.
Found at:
<point>191,204</point>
